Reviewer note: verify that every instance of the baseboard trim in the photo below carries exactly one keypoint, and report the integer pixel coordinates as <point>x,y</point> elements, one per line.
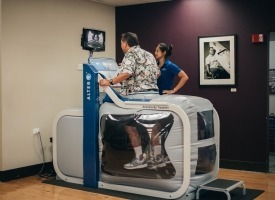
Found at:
<point>246,166</point>
<point>25,171</point>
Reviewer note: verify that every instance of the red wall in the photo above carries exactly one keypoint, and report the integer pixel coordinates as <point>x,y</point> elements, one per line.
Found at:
<point>244,114</point>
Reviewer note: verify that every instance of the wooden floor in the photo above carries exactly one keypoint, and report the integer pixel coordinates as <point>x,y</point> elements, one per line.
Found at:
<point>31,188</point>
<point>253,180</point>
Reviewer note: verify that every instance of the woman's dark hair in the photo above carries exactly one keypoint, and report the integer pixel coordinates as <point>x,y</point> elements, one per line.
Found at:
<point>130,38</point>
<point>166,47</point>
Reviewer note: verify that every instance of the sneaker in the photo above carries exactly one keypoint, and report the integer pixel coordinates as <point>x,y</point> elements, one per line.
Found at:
<point>157,162</point>
<point>137,163</point>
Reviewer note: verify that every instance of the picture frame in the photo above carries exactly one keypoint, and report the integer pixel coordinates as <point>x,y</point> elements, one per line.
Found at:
<point>217,60</point>
<point>271,83</point>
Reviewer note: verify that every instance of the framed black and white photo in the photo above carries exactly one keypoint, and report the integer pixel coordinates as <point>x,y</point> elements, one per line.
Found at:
<point>271,81</point>
<point>217,60</point>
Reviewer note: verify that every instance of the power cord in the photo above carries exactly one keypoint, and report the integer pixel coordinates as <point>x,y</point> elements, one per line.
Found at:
<point>41,175</point>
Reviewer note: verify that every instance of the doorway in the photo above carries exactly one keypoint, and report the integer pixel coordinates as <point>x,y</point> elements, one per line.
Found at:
<point>272,102</point>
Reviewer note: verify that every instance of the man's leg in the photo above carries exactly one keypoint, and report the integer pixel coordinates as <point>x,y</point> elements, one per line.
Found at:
<point>158,159</point>
<point>159,134</point>
<point>155,139</point>
<point>140,159</point>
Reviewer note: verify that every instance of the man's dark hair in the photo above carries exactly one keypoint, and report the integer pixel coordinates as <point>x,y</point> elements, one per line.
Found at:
<point>130,38</point>
<point>213,49</point>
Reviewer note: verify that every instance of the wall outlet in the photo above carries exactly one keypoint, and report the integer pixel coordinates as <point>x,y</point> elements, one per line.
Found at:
<point>35,131</point>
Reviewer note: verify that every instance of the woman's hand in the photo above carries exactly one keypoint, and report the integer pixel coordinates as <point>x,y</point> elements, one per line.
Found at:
<point>169,91</point>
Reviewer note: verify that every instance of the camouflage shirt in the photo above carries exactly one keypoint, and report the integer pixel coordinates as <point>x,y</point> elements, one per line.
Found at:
<point>142,67</point>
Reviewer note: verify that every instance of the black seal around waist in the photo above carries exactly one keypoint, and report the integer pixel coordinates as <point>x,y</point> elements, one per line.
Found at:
<point>148,90</point>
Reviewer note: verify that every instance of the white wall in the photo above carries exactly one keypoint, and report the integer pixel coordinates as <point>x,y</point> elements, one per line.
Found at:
<point>0,87</point>
<point>272,66</point>
<point>39,52</point>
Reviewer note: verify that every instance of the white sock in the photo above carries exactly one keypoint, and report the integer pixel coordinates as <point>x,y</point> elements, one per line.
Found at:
<point>138,151</point>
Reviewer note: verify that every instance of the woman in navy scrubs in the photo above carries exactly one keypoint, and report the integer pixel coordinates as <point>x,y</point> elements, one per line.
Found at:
<point>168,70</point>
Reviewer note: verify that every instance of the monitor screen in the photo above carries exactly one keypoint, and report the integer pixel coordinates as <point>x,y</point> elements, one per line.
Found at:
<point>93,40</point>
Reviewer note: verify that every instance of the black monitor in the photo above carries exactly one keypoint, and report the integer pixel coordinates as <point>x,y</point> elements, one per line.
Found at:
<point>93,40</point>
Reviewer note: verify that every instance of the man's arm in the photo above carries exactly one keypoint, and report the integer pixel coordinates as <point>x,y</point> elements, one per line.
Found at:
<point>118,79</point>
